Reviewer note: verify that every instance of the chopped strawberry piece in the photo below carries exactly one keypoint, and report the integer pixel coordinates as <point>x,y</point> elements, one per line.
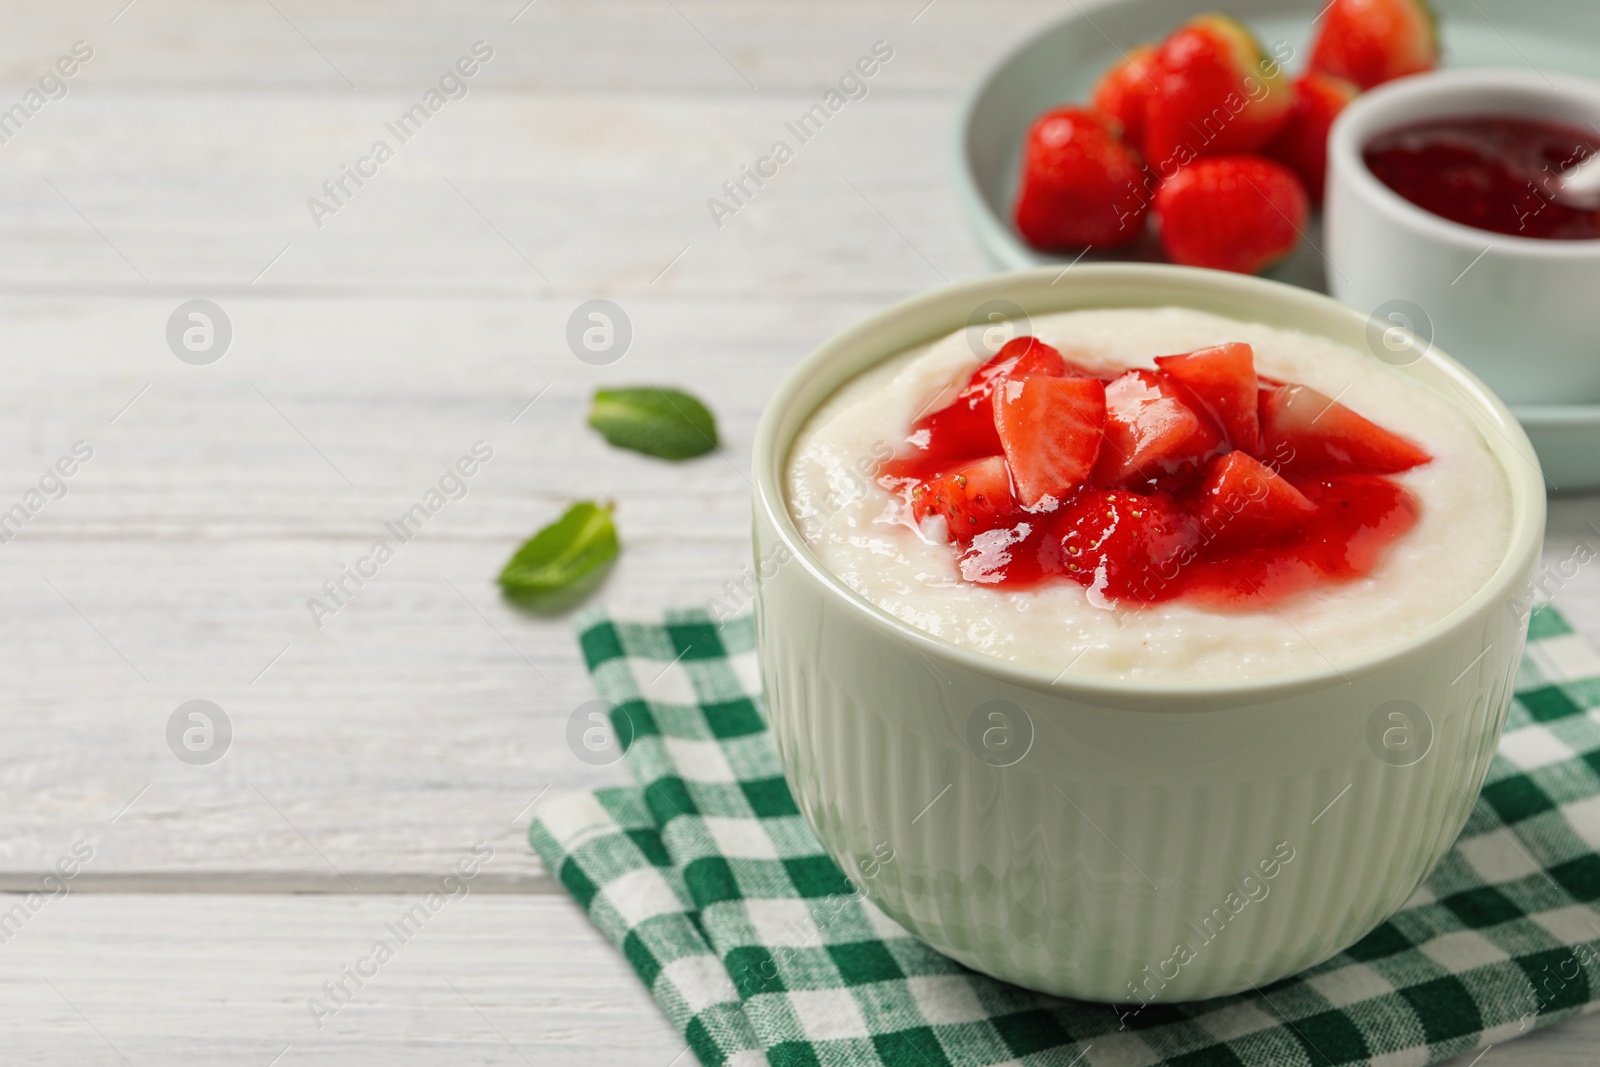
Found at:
<point>1150,432</point>
<point>1051,430</point>
<point>965,427</point>
<point>1370,42</point>
<point>1244,500</point>
<point>972,498</point>
<point>1021,356</point>
<point>1122,545</point>
<point>1356,518</point>
<point>1303,430</point>
<point>1223,381</point>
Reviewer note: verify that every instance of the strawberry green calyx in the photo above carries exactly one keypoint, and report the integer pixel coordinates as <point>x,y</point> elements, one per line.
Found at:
<point>1251,60</point>
<point>1215,92</point>
<point>1370,42</point>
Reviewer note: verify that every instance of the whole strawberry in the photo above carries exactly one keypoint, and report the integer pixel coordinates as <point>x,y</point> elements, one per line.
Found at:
<point>1215,93</point>
<point>1123,91</point>
<point>1238,213</point>
<point>1079,184</point>
<point>1370,42</point>
<point>1303,144</point>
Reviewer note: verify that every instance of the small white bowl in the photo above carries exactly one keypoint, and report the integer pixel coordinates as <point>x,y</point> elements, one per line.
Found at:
<point>1521,312</point>
<point>1267,824</point>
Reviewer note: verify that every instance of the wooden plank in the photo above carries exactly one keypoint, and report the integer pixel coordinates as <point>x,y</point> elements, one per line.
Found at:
<point>424,715</point>
<point>224,980</point>
<point>351,47</point>
<point>222,497</point>
<point>508,195</point>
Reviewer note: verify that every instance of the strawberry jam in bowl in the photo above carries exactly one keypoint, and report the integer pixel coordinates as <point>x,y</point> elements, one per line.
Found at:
<point>1109,598</point>
<point>1491,172</point>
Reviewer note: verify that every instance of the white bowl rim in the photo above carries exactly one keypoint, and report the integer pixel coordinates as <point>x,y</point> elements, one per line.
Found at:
<point>1545,415</point>
<point>1364,118</point>
<point>769,463</point>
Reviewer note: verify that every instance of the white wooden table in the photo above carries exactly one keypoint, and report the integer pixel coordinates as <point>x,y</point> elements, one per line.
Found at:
<point>427,313</point>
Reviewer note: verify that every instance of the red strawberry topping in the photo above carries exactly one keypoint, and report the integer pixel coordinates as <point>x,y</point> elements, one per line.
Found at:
<point>1199,479</point>
<point>1150,431</point>
<point>1242,499</point>
<point>1356,518</point>
<point>1117,543</point>
<point>965,427</point>
<point>1222,382</point>
<point>1306,431</point>
<point>972,498</point>
<point>1051,429</point>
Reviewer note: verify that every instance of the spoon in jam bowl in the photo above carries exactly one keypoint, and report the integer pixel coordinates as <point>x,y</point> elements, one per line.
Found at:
<point>1579,185</point>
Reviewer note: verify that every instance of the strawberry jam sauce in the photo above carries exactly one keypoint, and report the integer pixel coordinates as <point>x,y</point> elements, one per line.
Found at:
<point>1492,174</point>
<point>1196,480</point>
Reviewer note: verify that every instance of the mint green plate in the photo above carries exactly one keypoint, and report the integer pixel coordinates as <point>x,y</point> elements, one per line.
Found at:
<point>1061,62</point>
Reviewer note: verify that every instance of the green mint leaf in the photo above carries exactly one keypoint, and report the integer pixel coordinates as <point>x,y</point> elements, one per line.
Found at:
<point>569,549</point>
<point>666,423</point>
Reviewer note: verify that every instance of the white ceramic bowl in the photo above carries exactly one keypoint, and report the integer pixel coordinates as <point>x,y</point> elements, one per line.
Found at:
<point>1521,312</point>
<point>1069,836</point>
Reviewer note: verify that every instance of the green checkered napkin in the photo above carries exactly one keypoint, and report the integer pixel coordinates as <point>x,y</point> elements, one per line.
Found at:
<point>759,950</point>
